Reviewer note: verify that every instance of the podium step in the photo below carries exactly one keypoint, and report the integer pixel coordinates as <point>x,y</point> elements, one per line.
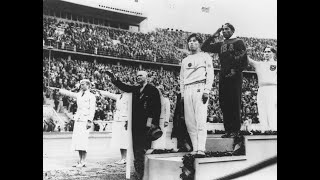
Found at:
<point>163,166</point>
<point>257,149</point>
<point>215,144</point>
<point>219,144</point>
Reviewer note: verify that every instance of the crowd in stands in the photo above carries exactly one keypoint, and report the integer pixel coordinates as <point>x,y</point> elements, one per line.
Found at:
<point>67,74</point>
<point>160,45</point>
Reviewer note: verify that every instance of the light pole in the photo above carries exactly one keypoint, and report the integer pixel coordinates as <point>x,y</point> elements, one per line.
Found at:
<point>49,48</point>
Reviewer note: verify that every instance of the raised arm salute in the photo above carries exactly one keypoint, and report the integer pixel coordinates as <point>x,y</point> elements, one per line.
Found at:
<point>83,118</point>
<point>146,108</point>
<point>233,59</point>
<point>267,93</point>
<point>119,125</point>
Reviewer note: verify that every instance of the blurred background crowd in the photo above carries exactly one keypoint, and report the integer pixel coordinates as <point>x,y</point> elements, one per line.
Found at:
<point>161,45</point>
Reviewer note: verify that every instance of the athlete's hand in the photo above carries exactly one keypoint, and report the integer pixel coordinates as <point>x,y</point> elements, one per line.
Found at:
<point>217,33</point>
<point>205,97</point>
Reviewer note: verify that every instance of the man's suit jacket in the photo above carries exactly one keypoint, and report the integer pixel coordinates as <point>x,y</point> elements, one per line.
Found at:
<point>145,104</point>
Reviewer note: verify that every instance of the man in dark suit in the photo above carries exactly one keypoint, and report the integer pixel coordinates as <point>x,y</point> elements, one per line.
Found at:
<point>233,59</point>
<point>146,108</point>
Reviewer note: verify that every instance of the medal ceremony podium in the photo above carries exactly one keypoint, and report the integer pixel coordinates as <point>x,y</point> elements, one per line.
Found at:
<point>257,148</point>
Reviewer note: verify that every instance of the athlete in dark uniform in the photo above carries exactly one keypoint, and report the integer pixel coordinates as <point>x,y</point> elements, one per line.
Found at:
<point>233,59</point>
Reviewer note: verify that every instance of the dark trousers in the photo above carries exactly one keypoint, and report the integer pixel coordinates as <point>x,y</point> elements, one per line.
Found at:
<point>230,102</point>
<point>140,145</point>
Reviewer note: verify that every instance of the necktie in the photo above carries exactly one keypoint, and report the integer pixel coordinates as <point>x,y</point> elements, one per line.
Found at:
<point>141,88</point>
<point>83,93</point>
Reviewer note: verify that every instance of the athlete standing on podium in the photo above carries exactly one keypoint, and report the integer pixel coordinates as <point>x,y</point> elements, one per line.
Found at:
<point>196,79</point>
<point>233,59</point>
<point>267,92</point>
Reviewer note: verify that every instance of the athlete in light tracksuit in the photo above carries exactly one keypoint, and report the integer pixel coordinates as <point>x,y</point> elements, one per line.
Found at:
<point>196,79</point>
<point>267,92</point>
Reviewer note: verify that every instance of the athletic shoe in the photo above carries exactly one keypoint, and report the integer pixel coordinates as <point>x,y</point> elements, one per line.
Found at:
<point>200,154</point>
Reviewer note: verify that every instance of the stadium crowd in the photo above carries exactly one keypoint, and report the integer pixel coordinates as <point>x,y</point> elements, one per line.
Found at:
<point>161,45</point>
<point>67,74</point>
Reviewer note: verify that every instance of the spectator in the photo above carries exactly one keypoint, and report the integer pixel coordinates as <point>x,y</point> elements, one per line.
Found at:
<point>168,78</point>
<point>161,45</point>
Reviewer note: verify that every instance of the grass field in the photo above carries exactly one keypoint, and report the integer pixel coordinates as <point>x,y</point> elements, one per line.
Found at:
<point>108,172</point>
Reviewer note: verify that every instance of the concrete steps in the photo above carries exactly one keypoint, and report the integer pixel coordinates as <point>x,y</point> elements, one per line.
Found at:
<point>258,148</point>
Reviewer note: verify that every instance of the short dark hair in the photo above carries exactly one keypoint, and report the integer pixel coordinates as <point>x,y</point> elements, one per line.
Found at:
<point>271,48</point>
<point>197,36</point>
<point>230,26</point>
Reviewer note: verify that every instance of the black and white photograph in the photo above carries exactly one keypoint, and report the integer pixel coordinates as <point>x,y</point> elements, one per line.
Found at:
<point>159,89</point>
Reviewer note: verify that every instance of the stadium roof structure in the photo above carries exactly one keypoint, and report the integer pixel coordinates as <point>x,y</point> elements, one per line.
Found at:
<point>100,11</point>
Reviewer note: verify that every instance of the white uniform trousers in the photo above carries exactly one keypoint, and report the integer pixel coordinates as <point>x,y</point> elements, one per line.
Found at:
<point>195,112</point>
<point>267,107</point>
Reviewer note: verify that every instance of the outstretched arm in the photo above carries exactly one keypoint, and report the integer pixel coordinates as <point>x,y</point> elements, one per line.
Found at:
<point>68,93</point>
<point>121,85</point>
<point>108,94</point>
<point>252,62</point>
<point>64,92</point>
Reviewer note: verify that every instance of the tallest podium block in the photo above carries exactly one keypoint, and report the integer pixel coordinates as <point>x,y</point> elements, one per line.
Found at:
<point>257,148</point>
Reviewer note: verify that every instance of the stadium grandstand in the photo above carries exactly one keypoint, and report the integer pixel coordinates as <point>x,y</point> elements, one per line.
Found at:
<point>82,41</point>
